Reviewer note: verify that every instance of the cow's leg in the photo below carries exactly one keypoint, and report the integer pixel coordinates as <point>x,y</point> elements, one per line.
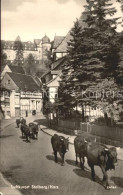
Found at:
<point>28,137</point>
<point>55,154</point>
<point>22,133</point>
<point>81,162</point>
<point>76,160</point>
<point>36,135</point>
<point>105,177</point>
<point>92,170</point>
<point>62,157</point>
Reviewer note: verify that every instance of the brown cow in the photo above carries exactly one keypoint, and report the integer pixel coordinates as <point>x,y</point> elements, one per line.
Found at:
<point>34,130</point>
<point>98,154</point>
<point>80,148</point>
<point>59,144</point>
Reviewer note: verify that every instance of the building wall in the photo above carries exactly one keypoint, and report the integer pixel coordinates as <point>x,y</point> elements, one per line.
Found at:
<point>12,103</point>
<point>37,53</point>
<point>5,103</point>
<point>8,83</point>
<point>10,54</point>
<point>53,93</point>
<point>46,46</point>
<point>59,55</point>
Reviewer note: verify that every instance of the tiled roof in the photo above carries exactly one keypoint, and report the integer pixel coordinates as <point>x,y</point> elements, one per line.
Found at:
<point>55,65</point>
<point>58,62</point>
<point>17,69</point>
<point>62,48</point>
<point>45,39</point>
<point>57,41</point>
<point>37,41</point>
<point>7,44</point>
<point>24,82</point>
<point>47,72</point>
<point>27,45</point>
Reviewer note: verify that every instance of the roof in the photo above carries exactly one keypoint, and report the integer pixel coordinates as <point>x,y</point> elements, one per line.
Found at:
<point>58,62</point>
<point>54,82</point>
<point>57,41</point>
<point>47,72</point>
<point>17,69</point>
<point>26,45</point>
<point>24,82</point>
<point>37,41</point>
<point>45,39</point>
<point>62,47</point>
<point>55,65</point>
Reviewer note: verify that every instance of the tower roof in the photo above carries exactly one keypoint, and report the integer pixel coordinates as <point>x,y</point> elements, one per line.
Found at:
<point>45,39</point>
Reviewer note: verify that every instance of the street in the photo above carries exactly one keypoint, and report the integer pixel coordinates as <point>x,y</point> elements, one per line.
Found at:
<point>32,165</point>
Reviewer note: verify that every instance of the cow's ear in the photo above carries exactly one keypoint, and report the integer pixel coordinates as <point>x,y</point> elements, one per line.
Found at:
<point>107,151</point>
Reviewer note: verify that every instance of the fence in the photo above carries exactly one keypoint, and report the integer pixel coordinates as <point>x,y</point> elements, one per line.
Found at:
<point>104,134</point>
<point>107,135</point>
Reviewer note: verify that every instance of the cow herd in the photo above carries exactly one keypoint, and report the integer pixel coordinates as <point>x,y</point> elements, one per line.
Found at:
<point>95,152</point>
<point>29,131</point>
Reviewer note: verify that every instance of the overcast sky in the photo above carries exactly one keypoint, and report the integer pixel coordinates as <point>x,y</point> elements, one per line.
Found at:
<point>33,18</point>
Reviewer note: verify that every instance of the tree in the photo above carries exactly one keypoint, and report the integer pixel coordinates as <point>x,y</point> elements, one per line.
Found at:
<point>67,84</point>
<point>3,56</point>
<point>120,64</point>
<point>100,51</point>
<point>92,54</point>
<point>30,64</point>
<point>18,47</point>
<point>48,59</point>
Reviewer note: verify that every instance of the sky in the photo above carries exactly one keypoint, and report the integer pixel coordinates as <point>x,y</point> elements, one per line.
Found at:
<point>32,19</point>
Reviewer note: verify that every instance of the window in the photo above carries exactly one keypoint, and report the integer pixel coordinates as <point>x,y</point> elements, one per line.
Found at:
<point>8,82</point>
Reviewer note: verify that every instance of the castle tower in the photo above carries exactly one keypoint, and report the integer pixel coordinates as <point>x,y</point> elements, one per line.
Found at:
<point>46,45</point>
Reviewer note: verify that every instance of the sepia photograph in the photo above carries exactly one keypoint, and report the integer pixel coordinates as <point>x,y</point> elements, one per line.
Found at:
<point>61,103</point>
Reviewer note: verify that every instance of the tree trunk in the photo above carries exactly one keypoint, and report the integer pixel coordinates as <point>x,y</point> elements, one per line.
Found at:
<point>106,118</point>
<point>83,115</point>
<point>112,119</point>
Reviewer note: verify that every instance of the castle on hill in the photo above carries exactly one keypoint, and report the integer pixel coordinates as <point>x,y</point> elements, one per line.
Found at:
<point>37,48</point>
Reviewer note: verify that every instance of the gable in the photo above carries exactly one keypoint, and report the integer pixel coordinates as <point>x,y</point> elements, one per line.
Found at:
<point>8,83</point>
<point>6,69</point>
<point>54,82</point>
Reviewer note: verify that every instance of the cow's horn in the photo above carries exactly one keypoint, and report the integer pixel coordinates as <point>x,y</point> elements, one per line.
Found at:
<point>85,140</point>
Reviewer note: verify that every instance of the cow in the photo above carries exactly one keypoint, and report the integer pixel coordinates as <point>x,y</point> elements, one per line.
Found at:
<point>34,130</point>
<point>20,121</point>
<point>80,149</point>
<point>102,156</point>
<point>60,144</point>
<point>25,132</point>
